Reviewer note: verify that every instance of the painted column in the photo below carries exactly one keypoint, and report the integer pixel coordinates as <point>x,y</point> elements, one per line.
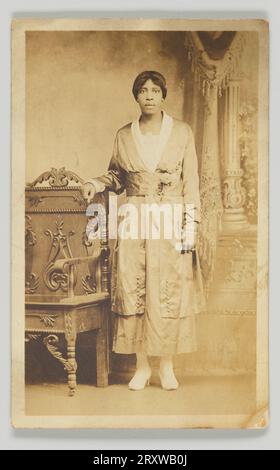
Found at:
<point>234,196</point>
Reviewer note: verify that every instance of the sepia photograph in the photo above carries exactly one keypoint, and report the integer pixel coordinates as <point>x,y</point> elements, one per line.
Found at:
<point>140,223</point>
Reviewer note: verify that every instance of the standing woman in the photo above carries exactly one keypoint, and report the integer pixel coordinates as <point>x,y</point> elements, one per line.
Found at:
<point>155,284</point>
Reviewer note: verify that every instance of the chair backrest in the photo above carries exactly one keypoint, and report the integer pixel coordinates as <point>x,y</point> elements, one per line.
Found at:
<point>55,215</point>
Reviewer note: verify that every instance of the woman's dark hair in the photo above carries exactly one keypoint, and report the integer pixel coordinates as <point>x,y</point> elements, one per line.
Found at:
<point>156,77</point>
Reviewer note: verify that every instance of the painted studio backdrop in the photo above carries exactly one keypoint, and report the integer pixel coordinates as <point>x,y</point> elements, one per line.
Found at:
<point>78,93</point>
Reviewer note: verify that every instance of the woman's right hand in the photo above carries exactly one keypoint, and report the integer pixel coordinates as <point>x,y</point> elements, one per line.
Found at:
<point>88,192</point>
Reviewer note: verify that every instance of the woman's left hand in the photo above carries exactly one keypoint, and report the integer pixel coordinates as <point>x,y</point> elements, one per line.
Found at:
<point>189,237</point>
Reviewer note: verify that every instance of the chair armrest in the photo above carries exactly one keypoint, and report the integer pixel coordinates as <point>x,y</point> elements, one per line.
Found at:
<point>83,300</point>
<point>62,263</point>
<point>69,263</point>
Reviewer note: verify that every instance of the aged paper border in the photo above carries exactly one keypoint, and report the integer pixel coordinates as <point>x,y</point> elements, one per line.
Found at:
<point>19,419</point>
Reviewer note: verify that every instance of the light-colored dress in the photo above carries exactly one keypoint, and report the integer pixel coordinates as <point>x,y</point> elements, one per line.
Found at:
<point>155,289</point>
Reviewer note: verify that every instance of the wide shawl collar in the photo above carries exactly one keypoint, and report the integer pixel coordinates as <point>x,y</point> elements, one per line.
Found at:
<point>165,132</point>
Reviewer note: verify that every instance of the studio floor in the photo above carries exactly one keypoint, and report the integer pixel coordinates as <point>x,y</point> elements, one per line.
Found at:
<point>196,395</point>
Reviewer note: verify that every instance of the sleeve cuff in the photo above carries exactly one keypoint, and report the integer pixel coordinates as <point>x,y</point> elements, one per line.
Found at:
<point>99,186</point>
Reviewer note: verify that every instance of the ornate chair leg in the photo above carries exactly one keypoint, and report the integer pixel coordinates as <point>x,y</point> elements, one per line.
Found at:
<point>71,364</point>
<point>102,352</point>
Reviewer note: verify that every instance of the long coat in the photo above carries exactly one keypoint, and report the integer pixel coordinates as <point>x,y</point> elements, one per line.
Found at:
<point>155,288</point>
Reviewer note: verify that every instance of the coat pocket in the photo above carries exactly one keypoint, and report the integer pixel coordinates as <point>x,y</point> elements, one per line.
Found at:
<point>128,278</point>
<point>177,294</point>
<point>170,294</point>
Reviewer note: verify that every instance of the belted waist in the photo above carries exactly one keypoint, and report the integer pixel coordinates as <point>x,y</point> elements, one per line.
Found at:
<point>153,184</point>
<point>158,192</point>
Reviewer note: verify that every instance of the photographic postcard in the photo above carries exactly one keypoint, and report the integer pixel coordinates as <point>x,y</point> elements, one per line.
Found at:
<point>139,223</point>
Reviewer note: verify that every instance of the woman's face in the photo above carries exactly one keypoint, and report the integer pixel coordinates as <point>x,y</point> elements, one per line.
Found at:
<point>150,98</point>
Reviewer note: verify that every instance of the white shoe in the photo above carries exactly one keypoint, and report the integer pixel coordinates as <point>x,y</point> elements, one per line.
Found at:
<point>140,379</point>
<point>168,379</point>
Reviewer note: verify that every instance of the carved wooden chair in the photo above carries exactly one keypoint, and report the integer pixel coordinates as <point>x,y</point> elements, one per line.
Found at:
<point>66,273</point>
